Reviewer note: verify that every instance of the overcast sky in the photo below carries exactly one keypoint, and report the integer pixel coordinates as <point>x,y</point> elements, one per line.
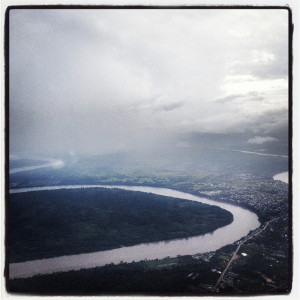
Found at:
<point>109,80</point>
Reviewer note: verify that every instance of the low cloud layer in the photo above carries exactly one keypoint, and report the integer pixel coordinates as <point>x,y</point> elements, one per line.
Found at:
<point>261,139</point>
<point>111,80</point>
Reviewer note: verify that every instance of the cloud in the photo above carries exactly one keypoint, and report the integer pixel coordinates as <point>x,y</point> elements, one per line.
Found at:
<point>270,121</point>
<point>251,96</point>
<point>104,80</point>
<point>254,96</point>
<point>228,98</point>
<point>260,140</point>
<point>169,106</point>
<point>183,144</point>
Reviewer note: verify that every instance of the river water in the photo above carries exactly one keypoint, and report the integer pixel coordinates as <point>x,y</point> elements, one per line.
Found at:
<point>243,222</point>
<point>51,163</point>
<point>284,177</point>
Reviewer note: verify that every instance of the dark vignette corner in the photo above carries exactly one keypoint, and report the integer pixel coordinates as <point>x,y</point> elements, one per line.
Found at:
<point>6,137</point>
<point>290,103</point>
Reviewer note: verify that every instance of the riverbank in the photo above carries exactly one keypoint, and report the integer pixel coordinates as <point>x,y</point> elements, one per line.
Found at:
<point>266,253</point>
<point>75,221</point>
<point>200,244</point>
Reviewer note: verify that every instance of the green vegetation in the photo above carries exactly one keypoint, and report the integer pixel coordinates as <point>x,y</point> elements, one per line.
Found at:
<point>61,222</point>
<point>263,271</point>
<point>164,277</point>
<point>266,269</point>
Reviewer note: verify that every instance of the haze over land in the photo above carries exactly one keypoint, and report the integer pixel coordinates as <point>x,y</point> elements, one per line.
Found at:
<point>162,107</point>
<point>103,81</point>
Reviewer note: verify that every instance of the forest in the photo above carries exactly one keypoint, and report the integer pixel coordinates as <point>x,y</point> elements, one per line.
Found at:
<point>71,221</point>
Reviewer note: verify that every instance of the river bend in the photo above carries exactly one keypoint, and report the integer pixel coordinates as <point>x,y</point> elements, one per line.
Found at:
<point>243,222</point>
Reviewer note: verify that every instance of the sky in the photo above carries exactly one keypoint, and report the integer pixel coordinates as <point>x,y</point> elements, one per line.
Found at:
<point>99,81</point>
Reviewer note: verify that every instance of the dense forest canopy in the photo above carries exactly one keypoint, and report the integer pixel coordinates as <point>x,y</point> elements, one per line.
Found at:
<point>61,222</point>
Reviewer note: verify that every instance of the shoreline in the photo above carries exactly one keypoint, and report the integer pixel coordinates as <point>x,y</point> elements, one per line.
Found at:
<point>158,250</point>
<point>283,177</point>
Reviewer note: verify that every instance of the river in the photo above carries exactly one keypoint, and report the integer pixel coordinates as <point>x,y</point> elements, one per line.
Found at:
<point>243,222</point>
<point>50,163</point>
<point>284,177</point>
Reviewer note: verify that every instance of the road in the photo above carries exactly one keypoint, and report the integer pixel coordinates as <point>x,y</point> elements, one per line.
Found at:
<point>237,250</point>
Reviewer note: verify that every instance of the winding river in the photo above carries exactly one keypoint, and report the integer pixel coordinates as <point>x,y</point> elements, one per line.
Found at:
<point>243,222</point>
